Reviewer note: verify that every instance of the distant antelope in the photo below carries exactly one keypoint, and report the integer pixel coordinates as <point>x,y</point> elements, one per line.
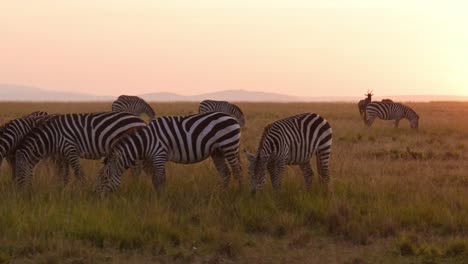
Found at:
<point>391,111</point>
<point>291,141</point>
<point>363,103</point>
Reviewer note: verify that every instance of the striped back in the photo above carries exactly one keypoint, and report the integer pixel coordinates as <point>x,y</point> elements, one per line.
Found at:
<point>222,106</point>
<point>134,105</point>
<point>186,139</point>
<point>392,111</point>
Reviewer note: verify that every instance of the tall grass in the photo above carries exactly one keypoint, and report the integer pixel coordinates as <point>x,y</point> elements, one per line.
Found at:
<point>397,195</point>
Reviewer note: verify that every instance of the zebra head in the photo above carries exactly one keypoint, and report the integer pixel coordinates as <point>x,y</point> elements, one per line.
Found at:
<point>24,169</point>
<point>257,168</point>
<point>110,175</point>
<point>414,123</point>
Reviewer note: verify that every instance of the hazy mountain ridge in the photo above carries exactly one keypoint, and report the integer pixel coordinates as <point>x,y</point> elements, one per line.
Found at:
<point>10,92</point>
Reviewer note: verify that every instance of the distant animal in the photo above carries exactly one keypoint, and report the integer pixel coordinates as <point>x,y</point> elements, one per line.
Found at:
<point>391,111</point>
<point>69,137</point>
<point>134,105</point>
<point>36,114</point>
<point>363,103</point>
<point>291,141</point>
<point>180,139</point>
<point>387,101</point>
<point>222,106</point>
<point>13,132</point>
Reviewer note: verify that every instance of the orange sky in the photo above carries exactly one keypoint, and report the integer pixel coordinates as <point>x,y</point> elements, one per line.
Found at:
<point>295,47</point>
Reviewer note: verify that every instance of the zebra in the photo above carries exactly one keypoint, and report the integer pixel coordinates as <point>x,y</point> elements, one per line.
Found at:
<point>13,132</point>
<point>180,139</point>
<point>391,111</point>
<point>134,105</point>
<point>222,106</point>
<point>291,141</point>
<point>69,137</point>
<point>363,103</point>
<point>387,101</point>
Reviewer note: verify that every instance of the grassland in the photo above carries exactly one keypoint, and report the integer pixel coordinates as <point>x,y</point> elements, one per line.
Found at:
<point>397,196</point>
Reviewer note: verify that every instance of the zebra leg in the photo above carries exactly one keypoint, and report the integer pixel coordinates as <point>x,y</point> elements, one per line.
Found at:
<point>323,157</point>
<point>223,170</point>
<point>159,173</point>
<point>63,169</point>
<point>397,121</point>
<point>234,162</point>
<point>308,174</point>
<point>277,174</point>
<point>72,157</point>
<point>12,163</point>
<point>370,121</point>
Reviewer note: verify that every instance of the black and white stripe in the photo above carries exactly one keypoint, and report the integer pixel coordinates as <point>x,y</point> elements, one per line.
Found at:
<point>391,111</point>
<point>13,132</point>
<point>292,141</point>
<point>222,106</point>
<point>132,104</point>
<point>69,137</point>
<point>180,139</point>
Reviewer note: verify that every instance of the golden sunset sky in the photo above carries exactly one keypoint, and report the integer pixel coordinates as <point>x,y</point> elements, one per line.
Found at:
<point>305,48</point>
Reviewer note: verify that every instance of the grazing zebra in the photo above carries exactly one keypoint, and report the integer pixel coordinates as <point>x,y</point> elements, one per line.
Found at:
<point>69,137</point>
<point>387,101</point>
<point>132,104</point>
<point>291,141</point>
<point>222,106</point>
<point>363,103</point>
<point>13,132</point>
<point>391,111</point>
<point>181,139</point>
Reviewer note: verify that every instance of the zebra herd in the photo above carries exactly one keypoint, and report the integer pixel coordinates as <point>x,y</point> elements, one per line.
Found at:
<point>125,141</point>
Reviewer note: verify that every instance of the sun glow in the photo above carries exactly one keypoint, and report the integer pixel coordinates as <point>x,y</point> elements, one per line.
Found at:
<point>306,48</point>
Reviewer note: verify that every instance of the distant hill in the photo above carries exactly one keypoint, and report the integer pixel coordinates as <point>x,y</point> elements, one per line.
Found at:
<point>231,95</point>
<point>10,92</point>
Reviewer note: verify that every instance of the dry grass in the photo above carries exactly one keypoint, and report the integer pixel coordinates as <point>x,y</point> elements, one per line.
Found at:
<point>398,195</point>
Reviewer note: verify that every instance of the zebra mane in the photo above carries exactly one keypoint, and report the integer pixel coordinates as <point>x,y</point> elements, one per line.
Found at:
<point>409,109</point>
<point>237,108</point>
<point>266,130</point>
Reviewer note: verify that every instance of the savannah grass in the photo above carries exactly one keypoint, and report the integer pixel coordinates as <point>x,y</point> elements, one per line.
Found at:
<point>397,195</point>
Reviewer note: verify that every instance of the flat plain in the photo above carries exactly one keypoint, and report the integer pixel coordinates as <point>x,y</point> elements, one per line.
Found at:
<point>396,196</point>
